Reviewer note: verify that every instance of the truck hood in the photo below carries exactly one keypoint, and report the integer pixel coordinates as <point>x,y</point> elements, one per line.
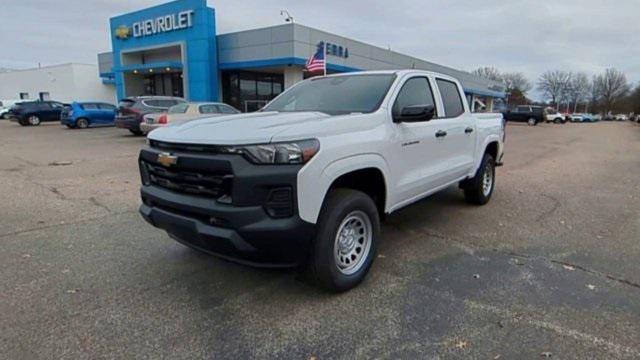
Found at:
<point>259,127</point>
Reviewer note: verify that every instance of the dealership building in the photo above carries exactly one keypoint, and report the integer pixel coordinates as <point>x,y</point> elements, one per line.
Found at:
<point>173,49</point>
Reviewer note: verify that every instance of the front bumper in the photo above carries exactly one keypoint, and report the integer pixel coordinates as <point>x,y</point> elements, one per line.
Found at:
<point>128,123</point>
<point>242,229</point>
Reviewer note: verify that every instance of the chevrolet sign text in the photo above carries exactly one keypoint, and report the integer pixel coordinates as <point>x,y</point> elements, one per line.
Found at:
<point>162,24</point>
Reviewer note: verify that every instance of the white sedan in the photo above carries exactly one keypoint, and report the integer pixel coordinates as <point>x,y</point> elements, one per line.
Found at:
<point>186,112</point>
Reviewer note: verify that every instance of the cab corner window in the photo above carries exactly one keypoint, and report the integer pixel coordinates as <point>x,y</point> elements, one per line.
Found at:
<point>415,91</point>
<point>451,99</point>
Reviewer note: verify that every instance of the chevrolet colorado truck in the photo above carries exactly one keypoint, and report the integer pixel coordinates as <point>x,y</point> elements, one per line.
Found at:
<point>306,180</point>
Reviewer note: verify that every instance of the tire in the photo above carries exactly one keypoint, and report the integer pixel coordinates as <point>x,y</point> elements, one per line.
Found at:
<point>82,123</point>
<point>476,190</point>
<point>557,121</point>
<point>136,132</point>
<point>33,120</point>
<point>532,122</point>
<point>335,263</point>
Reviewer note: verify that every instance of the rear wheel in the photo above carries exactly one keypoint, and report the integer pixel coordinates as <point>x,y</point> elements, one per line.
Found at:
<point>33,120</point>
<point>532,122</point>
<point>557,120</point>
<point>82,123</point>
<point>478,190</point>
<point>346,242</point>
<point>136,132</point>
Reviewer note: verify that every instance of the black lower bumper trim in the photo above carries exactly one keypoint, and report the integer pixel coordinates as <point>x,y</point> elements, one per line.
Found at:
<point>249,235</point>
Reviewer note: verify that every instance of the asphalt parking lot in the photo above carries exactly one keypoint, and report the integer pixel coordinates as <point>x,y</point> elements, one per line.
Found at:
<point>550,267</point>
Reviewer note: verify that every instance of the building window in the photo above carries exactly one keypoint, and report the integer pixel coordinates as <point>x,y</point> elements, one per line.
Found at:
<point>24,95</point>
<point>250,91</point>
<point>43,96</point>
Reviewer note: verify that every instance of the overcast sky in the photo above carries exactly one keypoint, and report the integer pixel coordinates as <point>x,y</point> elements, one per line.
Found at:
<point>527,36</point>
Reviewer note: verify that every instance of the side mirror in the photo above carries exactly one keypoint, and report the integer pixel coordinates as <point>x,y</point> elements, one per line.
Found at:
<point>414,113</point>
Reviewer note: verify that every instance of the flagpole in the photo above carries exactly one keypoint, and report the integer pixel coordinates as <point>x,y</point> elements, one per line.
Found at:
<point>324,52</point>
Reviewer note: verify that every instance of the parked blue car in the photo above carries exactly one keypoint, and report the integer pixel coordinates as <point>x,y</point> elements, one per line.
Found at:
<point>81,115</point>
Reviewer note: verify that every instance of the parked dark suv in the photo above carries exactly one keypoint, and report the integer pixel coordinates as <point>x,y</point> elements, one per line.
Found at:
<point>131,110</point>
<point>34,112</point>
<point>530,114</point>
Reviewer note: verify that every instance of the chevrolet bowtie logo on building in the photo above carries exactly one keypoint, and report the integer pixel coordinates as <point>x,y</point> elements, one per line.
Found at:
<point>167,159</point>
<point>123,32</point>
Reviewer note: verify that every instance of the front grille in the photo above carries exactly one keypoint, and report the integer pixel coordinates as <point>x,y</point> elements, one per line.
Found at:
<point>190,148</point>
<point>211,185</point>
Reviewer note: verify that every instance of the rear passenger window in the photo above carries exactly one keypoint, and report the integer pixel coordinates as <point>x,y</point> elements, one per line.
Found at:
<point>226,109</point>
<point>209,109</point>
<point>416,91</point>
<point>90,106</point>
<point>106,107</point>
<point>451,98</point>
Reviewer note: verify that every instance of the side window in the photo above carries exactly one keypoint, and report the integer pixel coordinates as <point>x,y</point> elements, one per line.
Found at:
<point>166,103</point>
<point>106,107</point>
<point>522,109</point>
<point>151,103</point>
<point>90,106</point>
<point>56,105</point>
<point>416,91</point>
<point>451,98</point>
<point>226,109</point>
<point>209,109</point>
<point>43,106</point>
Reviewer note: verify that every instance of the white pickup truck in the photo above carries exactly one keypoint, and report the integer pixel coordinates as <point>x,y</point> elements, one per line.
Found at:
<point>307,179</point>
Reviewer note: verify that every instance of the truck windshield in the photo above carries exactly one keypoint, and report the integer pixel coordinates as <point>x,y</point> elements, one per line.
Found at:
<point>335,95</point>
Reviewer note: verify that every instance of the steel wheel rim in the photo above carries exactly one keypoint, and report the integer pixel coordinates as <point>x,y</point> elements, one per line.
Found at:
<point>487,180</point>
<point>353,242</point>
<point>33,120</point>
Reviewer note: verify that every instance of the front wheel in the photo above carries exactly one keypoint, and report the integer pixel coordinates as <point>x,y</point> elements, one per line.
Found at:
<point>346,242</point>
<point>478,190</point>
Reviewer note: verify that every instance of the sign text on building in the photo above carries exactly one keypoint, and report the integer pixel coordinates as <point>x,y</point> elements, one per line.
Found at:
<point>162,24</point>
<point>335,50</point>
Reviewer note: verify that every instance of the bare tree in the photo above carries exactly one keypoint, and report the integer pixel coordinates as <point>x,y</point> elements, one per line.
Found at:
<point>516,81</point>
<point>594,95</point>
<point>554,85</point>
<point>578,89</point>
<point>611,87</point>
<point>488,72</point>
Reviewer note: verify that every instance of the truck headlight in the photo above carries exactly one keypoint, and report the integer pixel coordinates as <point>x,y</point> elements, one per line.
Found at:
<point>294,152</point>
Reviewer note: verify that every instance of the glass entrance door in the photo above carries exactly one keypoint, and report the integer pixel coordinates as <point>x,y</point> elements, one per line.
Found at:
<point>167,84</point>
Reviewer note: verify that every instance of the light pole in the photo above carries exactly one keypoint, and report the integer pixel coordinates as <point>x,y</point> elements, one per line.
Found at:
<point>287,16</point>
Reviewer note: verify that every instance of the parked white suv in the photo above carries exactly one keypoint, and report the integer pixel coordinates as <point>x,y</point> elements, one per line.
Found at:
<point>555,117</point>
<point>306,180</point>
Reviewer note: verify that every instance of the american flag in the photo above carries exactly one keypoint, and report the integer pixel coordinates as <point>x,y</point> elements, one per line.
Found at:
<point>317,61</point>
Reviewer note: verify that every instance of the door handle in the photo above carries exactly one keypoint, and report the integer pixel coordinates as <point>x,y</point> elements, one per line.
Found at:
<point>441,133</point>
<point>468,130</point>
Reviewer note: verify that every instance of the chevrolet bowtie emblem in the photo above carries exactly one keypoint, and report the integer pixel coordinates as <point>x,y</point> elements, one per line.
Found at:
<point>123,32</point>
<point>167,159</point>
